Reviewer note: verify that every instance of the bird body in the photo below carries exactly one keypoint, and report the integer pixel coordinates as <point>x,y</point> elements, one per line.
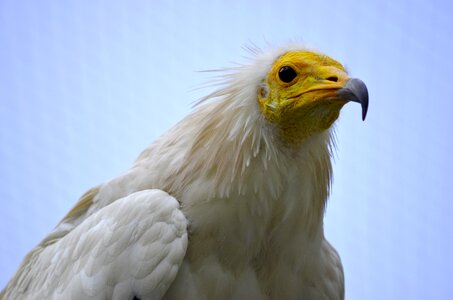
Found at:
<point>228,204</point>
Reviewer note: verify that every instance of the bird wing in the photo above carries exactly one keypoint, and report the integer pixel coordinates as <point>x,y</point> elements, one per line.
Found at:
<point>130,248</point>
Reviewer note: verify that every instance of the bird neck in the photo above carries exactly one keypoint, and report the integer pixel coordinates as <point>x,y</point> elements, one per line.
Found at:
<point>278,198</point>
<point>242,160</point>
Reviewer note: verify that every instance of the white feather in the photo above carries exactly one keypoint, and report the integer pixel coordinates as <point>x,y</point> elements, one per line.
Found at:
<point>133,246</point>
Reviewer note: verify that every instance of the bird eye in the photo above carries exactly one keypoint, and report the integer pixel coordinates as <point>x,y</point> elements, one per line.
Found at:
<point>286,74</point>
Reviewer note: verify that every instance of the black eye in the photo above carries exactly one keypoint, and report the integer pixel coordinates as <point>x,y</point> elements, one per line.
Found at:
<point>287,74</point>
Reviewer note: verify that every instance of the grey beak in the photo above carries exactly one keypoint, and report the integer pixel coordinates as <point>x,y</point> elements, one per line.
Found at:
<point>355,90</point>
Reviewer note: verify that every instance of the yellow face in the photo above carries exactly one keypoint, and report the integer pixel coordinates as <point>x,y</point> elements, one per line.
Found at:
<point>300,94</point>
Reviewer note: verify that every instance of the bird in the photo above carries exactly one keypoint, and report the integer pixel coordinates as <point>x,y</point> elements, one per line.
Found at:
<point>227,204</point>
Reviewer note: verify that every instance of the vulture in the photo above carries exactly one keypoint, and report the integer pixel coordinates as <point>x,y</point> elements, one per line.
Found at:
<point>227,204</point>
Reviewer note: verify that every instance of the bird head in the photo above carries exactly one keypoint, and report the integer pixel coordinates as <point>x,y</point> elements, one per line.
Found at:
<point>303,93</point>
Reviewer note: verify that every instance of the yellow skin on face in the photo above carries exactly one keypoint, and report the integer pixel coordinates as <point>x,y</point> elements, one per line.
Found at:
<point>309,103</point>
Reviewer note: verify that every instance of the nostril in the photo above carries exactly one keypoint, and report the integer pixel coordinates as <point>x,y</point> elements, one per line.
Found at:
<point>332,78</point>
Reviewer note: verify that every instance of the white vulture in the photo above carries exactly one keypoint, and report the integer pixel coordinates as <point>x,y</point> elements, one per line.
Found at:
<point>228,204</point>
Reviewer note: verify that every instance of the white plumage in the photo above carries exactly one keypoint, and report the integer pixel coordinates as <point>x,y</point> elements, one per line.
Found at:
<point>133,246</point>
<point>247,207</point>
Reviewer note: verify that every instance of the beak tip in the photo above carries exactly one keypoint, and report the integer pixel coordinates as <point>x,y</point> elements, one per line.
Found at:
<point>364,110</point>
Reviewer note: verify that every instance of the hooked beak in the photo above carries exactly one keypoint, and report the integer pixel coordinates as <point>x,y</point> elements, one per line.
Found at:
<point>355,90</point>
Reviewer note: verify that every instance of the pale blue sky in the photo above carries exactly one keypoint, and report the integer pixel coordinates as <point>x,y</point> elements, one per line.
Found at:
<point>86,85</point>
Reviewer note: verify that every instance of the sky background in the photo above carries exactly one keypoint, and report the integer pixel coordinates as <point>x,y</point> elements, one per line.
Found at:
<point>86,85</point>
